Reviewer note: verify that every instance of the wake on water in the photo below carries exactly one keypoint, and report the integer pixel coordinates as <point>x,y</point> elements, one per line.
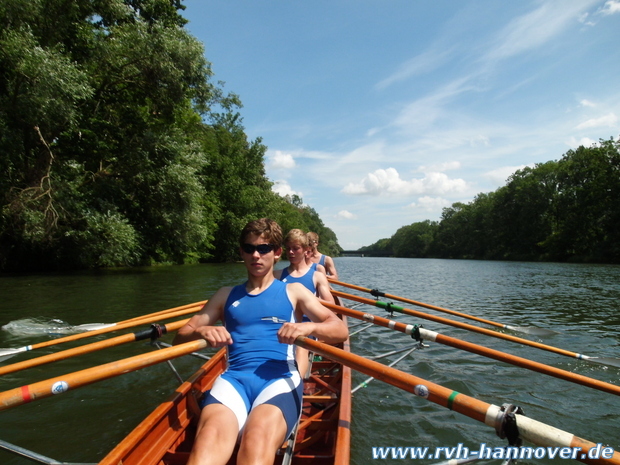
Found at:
<point>42,326</point>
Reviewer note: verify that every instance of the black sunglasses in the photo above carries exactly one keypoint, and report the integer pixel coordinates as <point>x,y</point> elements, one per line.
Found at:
<point>262,248</point>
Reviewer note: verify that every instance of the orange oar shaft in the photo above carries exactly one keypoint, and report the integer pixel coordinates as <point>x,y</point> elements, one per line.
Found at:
<point>58,385</point>
<point>480,350</point>
<point>122,325</point>
<point>529,429</point>
<point>458,324</point>
<point>86,349</point>
<point>163,312</point>
<point>420,304</point>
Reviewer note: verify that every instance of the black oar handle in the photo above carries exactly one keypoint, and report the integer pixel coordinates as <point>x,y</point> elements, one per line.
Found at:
<point>154,332</point>
<point>377,293</point>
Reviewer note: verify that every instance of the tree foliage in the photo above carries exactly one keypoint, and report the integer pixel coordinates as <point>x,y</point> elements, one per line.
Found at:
<point>414,240</point>
<point>563,210</point>
<point>117,148</point>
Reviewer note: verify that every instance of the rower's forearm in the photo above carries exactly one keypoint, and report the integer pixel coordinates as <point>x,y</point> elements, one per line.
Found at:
<point>332,332</point>
<point>186,334</point>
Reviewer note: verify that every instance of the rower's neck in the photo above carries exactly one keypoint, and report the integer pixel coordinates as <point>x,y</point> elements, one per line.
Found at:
<point>301,267</point>
<point>257,284</point>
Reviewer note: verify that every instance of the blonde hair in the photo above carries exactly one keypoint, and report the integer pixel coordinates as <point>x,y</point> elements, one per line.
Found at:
<point>297,236</point>
<point>312,239</point>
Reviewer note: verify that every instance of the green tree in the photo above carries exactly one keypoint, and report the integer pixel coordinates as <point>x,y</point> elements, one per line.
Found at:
<point>588,211</point>
<point>235,179</point>
<point>383,247</point>
<point>525,212</point>
<point>454,229</point>
<point>117,147</point>
<point>415,240</point>
<point>98,105</point>
<point>40,93</point>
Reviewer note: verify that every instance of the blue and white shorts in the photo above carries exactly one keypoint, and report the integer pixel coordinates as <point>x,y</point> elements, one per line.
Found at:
<point>270,383</point>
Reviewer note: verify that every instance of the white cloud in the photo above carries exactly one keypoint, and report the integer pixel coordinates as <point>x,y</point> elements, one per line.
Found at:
<point>421,64</point>
<point>609,120</point>
<point>585,141</point>
<point>441,167</point>
<point>479,141</point>
<point>587,103</point>
<point>583,18</point>
<point>283,188</point>
<point>389,182</point>
<point>418,115</point>
<point>611,7</point>
<point>346,215</point>
<point>500,175</point>
<point>536,28</point>
<point>281,160</point>
<point>431,203</point>
<point>365,153</point>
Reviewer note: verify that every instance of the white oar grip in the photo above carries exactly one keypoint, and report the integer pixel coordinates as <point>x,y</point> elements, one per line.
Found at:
<point>427,334</point>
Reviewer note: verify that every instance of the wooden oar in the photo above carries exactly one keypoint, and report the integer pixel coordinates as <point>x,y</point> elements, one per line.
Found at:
<point>530,430</point>
<point>163,312</point>
<point>610,361</point>
<point>154,332</point>
<point>523,329</point>
<point>33,456</point>
<point>150,318</point>
<point>424,334</point>
<point>60,384</point>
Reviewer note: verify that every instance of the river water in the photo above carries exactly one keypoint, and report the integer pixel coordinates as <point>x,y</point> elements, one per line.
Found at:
<point>581,303</point>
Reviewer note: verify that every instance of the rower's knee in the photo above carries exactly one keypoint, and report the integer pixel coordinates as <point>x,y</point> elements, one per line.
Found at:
<point>262,437</point>
<point>258,449</point>
<point>216,436</point>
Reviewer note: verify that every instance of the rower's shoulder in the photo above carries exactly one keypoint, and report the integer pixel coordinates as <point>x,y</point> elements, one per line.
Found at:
<point>297,290</point>
<point>221,294</point>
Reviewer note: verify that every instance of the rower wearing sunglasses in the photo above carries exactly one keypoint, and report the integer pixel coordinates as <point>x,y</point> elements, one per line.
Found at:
<point>258,397</point>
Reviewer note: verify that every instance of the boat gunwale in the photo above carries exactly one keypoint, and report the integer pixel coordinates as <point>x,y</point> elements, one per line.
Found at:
<point>136,440</point>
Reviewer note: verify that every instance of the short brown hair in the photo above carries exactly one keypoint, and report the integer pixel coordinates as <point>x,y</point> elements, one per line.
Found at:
<point>265,227</point>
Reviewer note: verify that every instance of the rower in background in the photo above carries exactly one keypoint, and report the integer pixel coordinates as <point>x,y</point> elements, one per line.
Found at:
<point>319,258</point>
<point>299,271</point>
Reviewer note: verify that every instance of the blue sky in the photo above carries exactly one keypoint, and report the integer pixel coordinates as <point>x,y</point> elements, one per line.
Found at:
<point>380,113</point>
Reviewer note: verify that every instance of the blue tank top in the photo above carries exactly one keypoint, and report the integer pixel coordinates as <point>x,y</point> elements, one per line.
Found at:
<point>307,279</point>
<point>253,322</point>
<point>322,260</point>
